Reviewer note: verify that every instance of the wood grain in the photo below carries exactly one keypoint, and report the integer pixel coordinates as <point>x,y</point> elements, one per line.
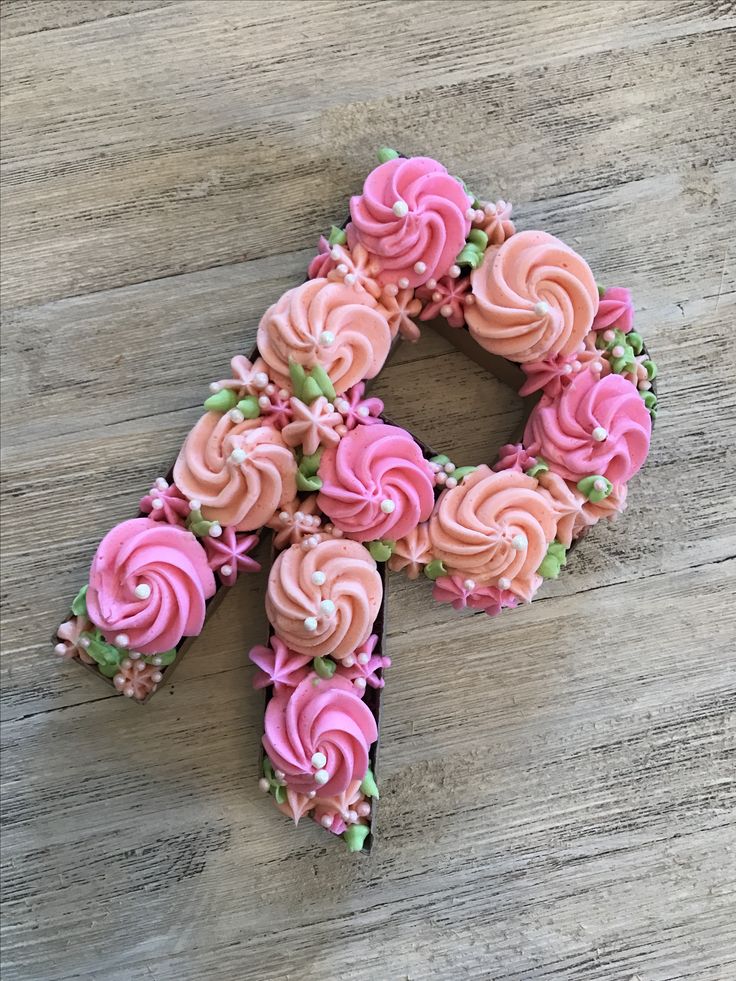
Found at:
<point>558,785</point>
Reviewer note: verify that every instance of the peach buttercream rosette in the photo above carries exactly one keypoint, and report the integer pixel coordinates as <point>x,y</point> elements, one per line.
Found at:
<point>494,528</point>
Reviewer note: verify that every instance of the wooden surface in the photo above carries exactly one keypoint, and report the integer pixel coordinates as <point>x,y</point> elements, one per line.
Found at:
<point>557,785</point>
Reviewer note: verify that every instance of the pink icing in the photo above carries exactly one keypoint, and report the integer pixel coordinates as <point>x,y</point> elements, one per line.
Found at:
<point>615,310</point>
<point>136,679</point>
<point>356,410</point>
<point>331,324</point>
<point>346,577</point>
<point>319,716</point>
<point>323,262</point>
<point>354,267</point>
<point>337,812</point>
<point>297,805</point>
<point>494,528</point>
<point>597,426</point>
<point>412,552</point>
<point>279,666</point>
<point>165,502</point>
<point>239,472</point>
<point>567,503</point>
<point>312,425</point>
<point>228,555</point>
<point>609,508</point>
<point>496,221</point>
<point>466,594</point>
<point>401,307</point>
<point>376,483</point>
<point>513,456</point>
<point>447,298</point>
<point>275,406</point>
<point>164,560</point>
<point>534,298</point>
<point>362,666</point>
<point>297,520</point>
<point>69,634</point>
<point>248,378</point>
<point>554,374</point>
<point>412,217</point>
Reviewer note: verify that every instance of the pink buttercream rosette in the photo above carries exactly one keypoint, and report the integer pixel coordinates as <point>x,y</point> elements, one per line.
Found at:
<point>376,483</point>
<point>413,218</point>
<point>148,585</point>
<point>319,735</point>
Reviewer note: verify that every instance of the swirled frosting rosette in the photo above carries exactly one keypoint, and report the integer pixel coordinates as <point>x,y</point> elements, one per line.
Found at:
<point>148,585</point>
<point>598,426</point>
<point>534,298</point>
<point>413,217</point>
<point>319,735</point>
<point>320,322</point>
<point>376,483</point>
<point>494,528</point>
<point>241,473</point>
<point>323,600</point>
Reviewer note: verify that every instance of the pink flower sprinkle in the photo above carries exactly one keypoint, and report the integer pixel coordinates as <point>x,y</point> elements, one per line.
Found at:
<point>363,666</point>
<point>323,263</point>
<point>496,221</point>
<point>228,554</point>
<point>277,665</point>
<point>165,502</point>
<point>446,299</point>
<point>357,411</point>
<point>463,593</point>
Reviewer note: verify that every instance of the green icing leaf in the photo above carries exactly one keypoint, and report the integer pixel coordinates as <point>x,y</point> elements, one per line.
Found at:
<point>309,464</point>
<point>298,376</point>
<point>478,237</point>
<point>267,769</point>
<point>601,292</point>
<point>221,401</point>
<point>324,666</point>
<point>307,484</point>
<point>635,341</point>
<point>310,390</point>
<point>198,524</point>
<point>440,460</point>
<point>161,660</point>
<point>540,467</point>
<point>279,793</point>
<point>355,836</point>
<point>461,472</point>
<point>104,655</point>
<point>594,494</point>
<point>386,153</point>
<point>320,376</point>
<point>337,236</point>
<point>553,561</point>
<point>651,369</point>
<point>79,603</point>
<point>249,407</point>
<point>435,569</point>
<point>369,787</point>
<point>470,256</point>
<point>381,549</point>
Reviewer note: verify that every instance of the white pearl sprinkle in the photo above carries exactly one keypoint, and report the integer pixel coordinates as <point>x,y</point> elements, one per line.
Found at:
<point>364,411</point>
<point>446,310</point>
<point>348,661</point>
<point>226,570</point>
<point>60,649</point>
<point>327,338</point>
<point>436,296</point>
<point>279,774</point>
<point>321,776</point>
<point>359,683</point>
<point>264,402</point>
<point>215,387</point>
<point>388,506</point>
<point>451,482</point>
<point>157,661</point>
<point>237,456</point>
<point>519,542</point>
<point>599,434</point>
<point>326,821</point>
<point>470,214</point>
<point>122,640</point>
<point>342,269</point>
<point>541,308</point>
<point>469,584</point>
<point>600,484</point>
<point>260,379</point>
<point>134,655</point>
<point>161,483</point>
<point>319,760</point>
<point>215,530</point>
<point>195,505</point>
<point>363,658</point>
<point>400,208</point>
<point>236,416</point>
<point>351,279</point>
<point>597,367</point>
<point>342,406</point>
<point>85,642</point>
<point>327,607</point>
<point>157,503</point>
<point>420,267</point>
<point>312,794</point>
<point>431,283</point>
<point>490,208</point>
<point>352,816</point>
<point>454,272</point>
<point>567,369</point>
<point>318,578</point>
<point>335,252</point>
<point>504,583</point>
<point>404,283</point>
<point>449,467</point>
<point>263,785</point>
<point>142,590</point>
<point>310,624</point>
